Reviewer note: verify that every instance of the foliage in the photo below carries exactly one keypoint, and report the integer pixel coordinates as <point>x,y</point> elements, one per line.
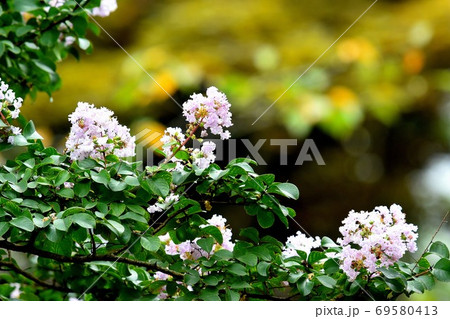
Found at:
<point>101,228</point>
<point>86,225</point>
<point>34,36</point>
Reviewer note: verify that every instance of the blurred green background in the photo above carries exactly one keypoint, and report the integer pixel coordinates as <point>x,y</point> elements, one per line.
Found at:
<point>377,104</point>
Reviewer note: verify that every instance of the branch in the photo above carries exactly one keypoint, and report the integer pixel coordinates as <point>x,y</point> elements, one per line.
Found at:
<point>432,238</point>
<point>267,297</point>
<point>18,270</point>
<point>94,246</point>
<point>84,259</point>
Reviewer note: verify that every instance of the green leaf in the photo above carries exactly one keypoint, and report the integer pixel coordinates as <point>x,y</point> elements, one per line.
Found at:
<point>20,140</point>
<point>305,286</point>
<point>131,181</point>
<point>26,5</point>
<point>133,216</point>
<point>262,268</point>
<point>3,228</point>
<point>83,219</point>
<point>238,269</point>
<point>206,243</point>
<point>117,226</point>
<point>102,177</point>
<point>88,163</point>
<point>82,189</point>
<point>415,286</point>
<point>231,295</point>
<point>214,232</point>
<point>315,256</point>
<point>62,224</point>
<point>211,280</point>
<point>158,185</point>
<point>251,233</point>
<point>442,270</point>
<point>192,278</point>
<point>183,155</point>
<point>62,177</point>
<point>427,281</point>
<point>23,223</point>
<point>223,254</point>
<point>327,242</point>
<point>79,25</point>
<point>73,210</point>
<point>23,30</point>
<point>423,263</point>
<point>248,259</point>
<point>207,295</point>
<point>265,218</point>
<point>440,249</point>
<point>285,189</point>
<point>116,186</point>
<point>29,131</point>
<point>117,209</point>
<point>150,243</point>
<point>65,192</point>
<point>20,187</point>
<point>391,273</point>
<point>331,266</point>
<point>327,281</point>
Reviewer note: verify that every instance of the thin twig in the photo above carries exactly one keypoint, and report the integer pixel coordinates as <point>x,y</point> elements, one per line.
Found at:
<point>432,238</point>
<point>94,247</point>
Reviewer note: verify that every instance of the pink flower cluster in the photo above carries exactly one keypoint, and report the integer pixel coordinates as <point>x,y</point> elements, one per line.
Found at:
<point>104,10</point>
<point>10,109</point>
<point>300,241</point>
<point>162,291</point>
<point>95,133</point>
<point>172,139</point>
<point>190,250</point>
<point>375,239</point>
<point>209,112</point>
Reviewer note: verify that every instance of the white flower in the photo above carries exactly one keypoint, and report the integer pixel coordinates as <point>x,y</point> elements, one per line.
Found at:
<point>105,8</point>
<point>91,130</point>
<point>300,242</point>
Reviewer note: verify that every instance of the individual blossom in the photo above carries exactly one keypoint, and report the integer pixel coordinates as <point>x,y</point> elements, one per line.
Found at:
<point>300,241</point>
<point>191,250</point>
<point>375,239</point>
<point>96,133</point>
<point>162,292</point>
<point>220,223</point>
<point>56,3</point>
<point>10,109</point>
<point>172,139</point>
<point>15,294</point>
<point>163,204</point>
<point>210,112</point>
<point>205,156</point>
<point>105,8</point>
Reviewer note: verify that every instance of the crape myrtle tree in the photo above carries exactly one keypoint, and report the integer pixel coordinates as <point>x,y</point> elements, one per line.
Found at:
<point>90,224</point>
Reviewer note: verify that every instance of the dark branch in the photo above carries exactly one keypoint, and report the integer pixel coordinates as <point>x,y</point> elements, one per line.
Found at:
<point>20,271</point>
<point>84,259</point>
